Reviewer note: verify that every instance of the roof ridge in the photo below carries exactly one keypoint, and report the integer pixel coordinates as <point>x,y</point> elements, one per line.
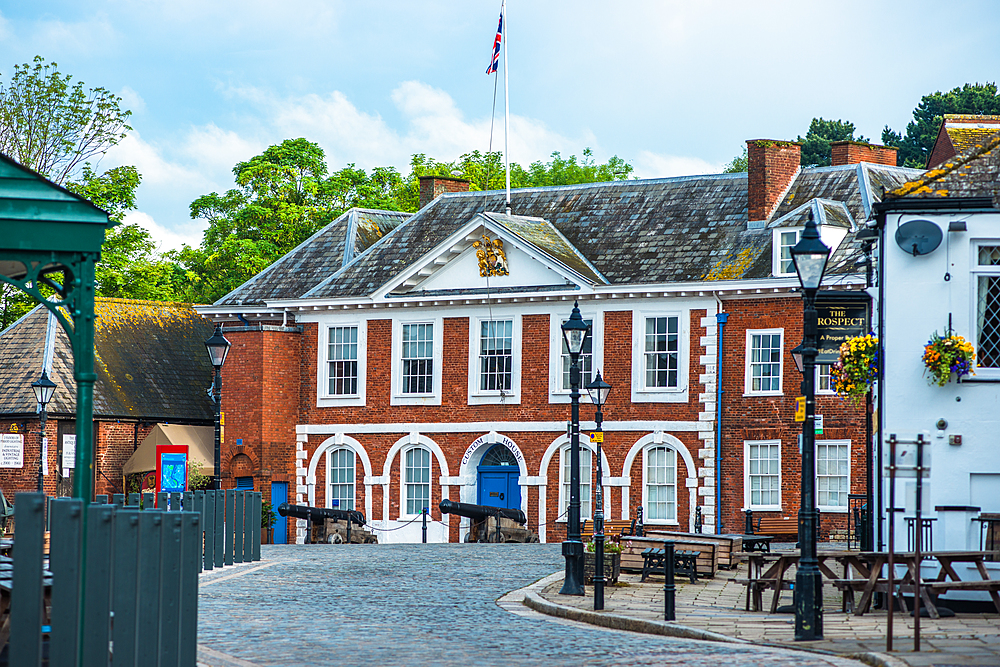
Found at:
<point>934,175</point>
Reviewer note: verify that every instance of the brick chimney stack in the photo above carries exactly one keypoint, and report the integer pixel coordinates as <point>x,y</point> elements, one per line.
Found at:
<point>432,187</point>
<point>771,165</point>
<point>853,152</point>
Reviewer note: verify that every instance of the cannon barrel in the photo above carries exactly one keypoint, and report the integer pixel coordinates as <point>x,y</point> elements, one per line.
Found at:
<point>480,512</point>
<point>319,514</point>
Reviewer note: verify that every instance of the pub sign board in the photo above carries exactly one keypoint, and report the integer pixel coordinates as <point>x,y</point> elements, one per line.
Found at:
<point>838,321</point>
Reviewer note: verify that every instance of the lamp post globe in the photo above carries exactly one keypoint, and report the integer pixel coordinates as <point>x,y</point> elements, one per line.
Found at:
<point>43,389</point>
<point>810,256</point>
<point>575,332</point>
<point>218,350</point>
<point>599,391</point>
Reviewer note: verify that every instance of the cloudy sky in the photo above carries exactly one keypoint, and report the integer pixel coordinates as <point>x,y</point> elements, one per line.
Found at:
<point>673,87</point>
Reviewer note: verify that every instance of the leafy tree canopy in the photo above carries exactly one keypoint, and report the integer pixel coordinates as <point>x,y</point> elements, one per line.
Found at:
<point>916,145</point>
<point>53,125</point>
<point>816,143</point>
<point>738,164</point>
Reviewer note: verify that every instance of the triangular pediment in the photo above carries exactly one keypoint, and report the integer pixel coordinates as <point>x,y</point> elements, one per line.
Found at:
<point>499,253</point>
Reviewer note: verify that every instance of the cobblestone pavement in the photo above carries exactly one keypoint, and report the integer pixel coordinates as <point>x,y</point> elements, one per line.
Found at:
<point>719,605</point>
<point>423,604</point>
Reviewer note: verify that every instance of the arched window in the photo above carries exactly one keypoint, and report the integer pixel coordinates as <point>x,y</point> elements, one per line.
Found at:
<point>660,480</point>
<point>585,479</point>
<point>340,478</point>
<point>417,480</point>
<point>498,455</point>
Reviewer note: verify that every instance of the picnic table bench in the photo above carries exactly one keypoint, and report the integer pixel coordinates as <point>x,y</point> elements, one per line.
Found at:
<point>685,562</point>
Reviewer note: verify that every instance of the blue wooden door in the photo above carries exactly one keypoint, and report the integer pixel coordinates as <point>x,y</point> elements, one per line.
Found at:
<point>279,494</point>
<point>497,480</point>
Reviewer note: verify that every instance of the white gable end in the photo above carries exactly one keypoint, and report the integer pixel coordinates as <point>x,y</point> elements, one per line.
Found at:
<point>462,272</point>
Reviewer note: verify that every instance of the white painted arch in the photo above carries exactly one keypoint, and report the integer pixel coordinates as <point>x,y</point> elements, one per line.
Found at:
<point>562,441</point>
<point>659,438</point>
<point>337,441</point>
<point>468,474</point>
<point>413,439</point>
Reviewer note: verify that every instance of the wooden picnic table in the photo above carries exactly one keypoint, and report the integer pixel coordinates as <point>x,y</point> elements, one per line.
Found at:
<point>869,566</point>
<point>761,543</point>
<point>774,576</point>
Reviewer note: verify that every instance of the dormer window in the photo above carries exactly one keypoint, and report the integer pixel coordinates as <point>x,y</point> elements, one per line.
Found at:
<point>784,240</point>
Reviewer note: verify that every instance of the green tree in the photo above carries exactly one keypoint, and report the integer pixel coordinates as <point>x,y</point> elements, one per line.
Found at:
<point>53,125</point>
<point>738,164</point>
<point>921,133</point>
<point>816,143</point>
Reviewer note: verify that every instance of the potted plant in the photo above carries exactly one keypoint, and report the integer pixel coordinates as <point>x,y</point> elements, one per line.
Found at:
<point>267,520</point>
<point>854,373</point>
<point>612,562</point>
<point>944,356</point>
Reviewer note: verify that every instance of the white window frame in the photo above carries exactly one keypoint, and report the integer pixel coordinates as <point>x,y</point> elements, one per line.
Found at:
<point>747,495</point>
<point>976,272</point>
<point>776,250</point>
<point>748,365</point>
<point>586,481</point>
<point>403,515</point>
<point>481,397</point>
<point>329,477</point>
<point>645,485</point>
<point>828,508</point>
<point>434,397</point>
<point>556,393</point>
<point>824,392</point>
<point>324,399</point>
<point>640,392</point>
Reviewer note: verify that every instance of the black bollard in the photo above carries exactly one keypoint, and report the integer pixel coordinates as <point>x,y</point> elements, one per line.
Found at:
<point>669,590</point>
<point>424,514</point>
<point>748,528</point>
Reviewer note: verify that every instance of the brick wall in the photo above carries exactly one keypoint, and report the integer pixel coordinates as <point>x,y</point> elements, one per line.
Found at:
<point>771,167</point>
<point>773,417</point>
<point>853,152</point>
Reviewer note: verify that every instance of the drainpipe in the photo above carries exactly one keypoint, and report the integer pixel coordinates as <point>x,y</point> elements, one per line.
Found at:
<point>720,319</point>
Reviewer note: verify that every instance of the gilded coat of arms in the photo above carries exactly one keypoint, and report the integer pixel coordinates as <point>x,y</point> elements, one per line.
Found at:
<point>492,259</point>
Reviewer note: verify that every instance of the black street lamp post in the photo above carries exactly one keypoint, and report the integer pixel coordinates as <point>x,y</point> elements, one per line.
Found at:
<point>599,390</point>
<point>575,332</point>
<point>43,388</point>
<point>810,256</point>
<point>218,348</point>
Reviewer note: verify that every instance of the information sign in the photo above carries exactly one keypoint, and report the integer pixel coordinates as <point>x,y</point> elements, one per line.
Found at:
<point>11,450</point>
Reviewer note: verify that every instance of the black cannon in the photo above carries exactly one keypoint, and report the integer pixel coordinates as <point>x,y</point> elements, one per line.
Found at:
<point>319,514</point>
<point>491,524</point>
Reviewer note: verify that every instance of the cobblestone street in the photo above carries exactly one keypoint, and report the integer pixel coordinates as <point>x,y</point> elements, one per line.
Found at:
<point>422,604</point>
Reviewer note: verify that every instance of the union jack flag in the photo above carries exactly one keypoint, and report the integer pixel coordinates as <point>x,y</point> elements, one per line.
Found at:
<point>496,46</point>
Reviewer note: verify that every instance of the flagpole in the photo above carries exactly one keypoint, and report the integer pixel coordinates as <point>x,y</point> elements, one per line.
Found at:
<point>506,102</point>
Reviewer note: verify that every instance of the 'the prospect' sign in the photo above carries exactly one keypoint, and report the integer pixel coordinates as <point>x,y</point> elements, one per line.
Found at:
<point>837,323</point>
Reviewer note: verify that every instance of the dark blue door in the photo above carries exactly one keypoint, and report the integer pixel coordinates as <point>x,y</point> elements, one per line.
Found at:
<point>279,494</point>
<point>497,484</point>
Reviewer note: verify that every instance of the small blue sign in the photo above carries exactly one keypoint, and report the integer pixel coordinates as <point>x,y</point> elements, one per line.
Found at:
<point>173,472</point>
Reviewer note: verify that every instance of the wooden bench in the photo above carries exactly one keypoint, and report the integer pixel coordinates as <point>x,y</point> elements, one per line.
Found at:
<point>774,525</point>
<point>685,562</point>
<point>612,528</point>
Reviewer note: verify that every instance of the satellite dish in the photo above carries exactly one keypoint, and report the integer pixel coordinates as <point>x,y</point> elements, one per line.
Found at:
<point>918,237</point>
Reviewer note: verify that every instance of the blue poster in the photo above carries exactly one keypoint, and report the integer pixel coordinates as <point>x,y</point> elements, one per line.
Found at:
<point>173,472</point>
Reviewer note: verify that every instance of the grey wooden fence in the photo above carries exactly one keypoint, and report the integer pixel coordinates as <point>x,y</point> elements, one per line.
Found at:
<point>122,586</point>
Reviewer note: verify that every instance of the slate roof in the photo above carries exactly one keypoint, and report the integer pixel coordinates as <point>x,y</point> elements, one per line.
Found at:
<point>975,173</point>
<point>150,362</point>
<point>630,232</point>
<point>314,259</point>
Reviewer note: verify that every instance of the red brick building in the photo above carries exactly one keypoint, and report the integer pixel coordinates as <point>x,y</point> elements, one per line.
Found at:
<point>392,361</point>
<point>151,368</point>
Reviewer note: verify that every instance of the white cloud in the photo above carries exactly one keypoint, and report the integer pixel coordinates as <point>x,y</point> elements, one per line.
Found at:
<point>215,151</point>
<point>148,159</point>
<point>168,239</point>
<point>131,100</point>
<point>658,165</point>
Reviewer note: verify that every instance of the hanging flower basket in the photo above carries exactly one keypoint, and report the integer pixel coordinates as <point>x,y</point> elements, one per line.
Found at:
<point>944,356</point>
<point>855,372</point>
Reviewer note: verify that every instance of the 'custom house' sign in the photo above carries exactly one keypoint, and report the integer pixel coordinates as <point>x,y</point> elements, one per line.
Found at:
<point>837,323</point>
